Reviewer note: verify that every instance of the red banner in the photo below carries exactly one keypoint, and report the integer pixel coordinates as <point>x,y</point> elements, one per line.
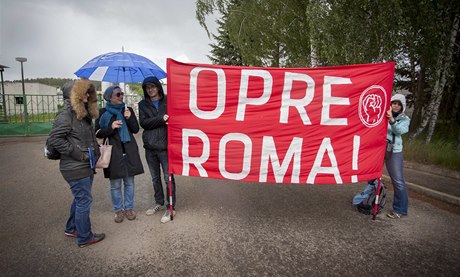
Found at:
<point>281,125</point>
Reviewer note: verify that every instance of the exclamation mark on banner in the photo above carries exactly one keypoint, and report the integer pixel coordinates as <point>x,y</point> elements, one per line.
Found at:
<point>354,161</point>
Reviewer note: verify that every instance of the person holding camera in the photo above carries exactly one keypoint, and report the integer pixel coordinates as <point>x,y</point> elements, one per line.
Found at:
<point>398,124</point>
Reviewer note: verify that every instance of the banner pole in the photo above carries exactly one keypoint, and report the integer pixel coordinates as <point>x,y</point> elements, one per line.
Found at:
<point>171,210</point>
<point>377,194</point>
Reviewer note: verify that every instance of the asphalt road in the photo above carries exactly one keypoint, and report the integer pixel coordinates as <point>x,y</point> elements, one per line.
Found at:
<point>221,228</point>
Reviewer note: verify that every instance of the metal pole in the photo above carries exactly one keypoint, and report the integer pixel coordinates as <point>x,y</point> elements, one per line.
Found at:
<point>171,204</point>
<point>3,94</point>
<point>377,196</point>
<point>26,116</point>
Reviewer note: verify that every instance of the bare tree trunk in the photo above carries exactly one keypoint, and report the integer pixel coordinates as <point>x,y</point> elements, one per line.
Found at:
<point>456,106</point>
<point>458,141</point>
<point>445,72</point>
<point>430,108</point>
<point>313,56</point>
<point>419,94</point>
<point>436,102</point>
<point>444,62</point>
<point>276,56</point>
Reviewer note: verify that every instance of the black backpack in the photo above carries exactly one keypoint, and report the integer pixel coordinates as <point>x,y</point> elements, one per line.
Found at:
<point>50,152</point>
<point>366,206</point>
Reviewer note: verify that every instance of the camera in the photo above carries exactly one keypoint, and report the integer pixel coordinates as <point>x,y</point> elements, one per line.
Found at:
<point>389,146</point>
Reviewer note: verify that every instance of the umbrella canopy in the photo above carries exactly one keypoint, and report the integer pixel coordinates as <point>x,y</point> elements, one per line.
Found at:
<point>120,67</point>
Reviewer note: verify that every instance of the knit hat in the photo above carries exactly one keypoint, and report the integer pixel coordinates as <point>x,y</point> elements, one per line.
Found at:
<point>401,99</point>
<point>108,92</point>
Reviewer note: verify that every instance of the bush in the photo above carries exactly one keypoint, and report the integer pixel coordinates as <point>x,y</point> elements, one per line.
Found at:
<point>439,152</point>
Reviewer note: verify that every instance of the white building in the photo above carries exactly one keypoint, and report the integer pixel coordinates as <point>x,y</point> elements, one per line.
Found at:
<point>31,89</point>
<point>40,98</point>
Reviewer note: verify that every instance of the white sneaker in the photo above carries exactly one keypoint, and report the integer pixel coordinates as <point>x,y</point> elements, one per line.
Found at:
<point>167,217</point>
<point>155,208</point>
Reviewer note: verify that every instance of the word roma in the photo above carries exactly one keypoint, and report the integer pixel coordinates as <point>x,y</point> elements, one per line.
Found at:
<point>268,153</point>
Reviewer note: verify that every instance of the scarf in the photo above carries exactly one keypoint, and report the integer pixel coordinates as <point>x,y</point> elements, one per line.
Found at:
<point>116,110</point>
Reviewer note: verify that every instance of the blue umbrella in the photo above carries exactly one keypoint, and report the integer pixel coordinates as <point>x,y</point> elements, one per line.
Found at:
<point>120,67</point>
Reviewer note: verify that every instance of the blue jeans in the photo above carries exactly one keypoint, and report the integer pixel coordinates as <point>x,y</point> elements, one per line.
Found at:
<point>80,208</point>
<point>154,160</point>
<point>395,168</point>
<point>117,197</point>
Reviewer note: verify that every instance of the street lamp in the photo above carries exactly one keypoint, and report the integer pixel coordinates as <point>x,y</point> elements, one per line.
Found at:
<point>26,117</point>
<point>2,68</point>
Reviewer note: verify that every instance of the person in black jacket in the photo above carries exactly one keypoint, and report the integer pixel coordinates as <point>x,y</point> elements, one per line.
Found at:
<point>153,118</point>
<point>73,137</point>
<point>118,123</point>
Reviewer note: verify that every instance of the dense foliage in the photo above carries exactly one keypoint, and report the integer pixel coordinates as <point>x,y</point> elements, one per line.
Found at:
<point>421,36</point>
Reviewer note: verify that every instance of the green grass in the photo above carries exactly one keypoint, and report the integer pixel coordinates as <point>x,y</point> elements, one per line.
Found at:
<point>439,152</point>
<point>43,117</point>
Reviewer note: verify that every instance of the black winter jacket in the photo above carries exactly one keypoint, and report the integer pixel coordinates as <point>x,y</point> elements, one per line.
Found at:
<point>132,158</point>
<point>73,133</point>
<point>155,135</point>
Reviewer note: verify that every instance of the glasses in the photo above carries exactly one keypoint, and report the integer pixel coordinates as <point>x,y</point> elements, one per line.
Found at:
<point>396,102</point>
<point>118,94</point>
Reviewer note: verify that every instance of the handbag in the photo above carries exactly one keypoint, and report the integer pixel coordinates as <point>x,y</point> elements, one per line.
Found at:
<point>106,154</point>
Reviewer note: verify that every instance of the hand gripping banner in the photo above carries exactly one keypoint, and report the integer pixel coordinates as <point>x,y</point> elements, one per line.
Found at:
<point>280,125</point>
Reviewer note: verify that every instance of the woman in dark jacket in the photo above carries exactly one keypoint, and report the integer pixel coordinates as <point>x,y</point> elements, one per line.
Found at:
<point>153,118</point>
<point>118,123</point>
<point>73,137</point>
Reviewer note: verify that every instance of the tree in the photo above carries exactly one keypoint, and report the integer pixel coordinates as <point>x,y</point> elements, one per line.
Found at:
<point>351,32</point>
<point>442,72</point>
<point>54,82</point>
<point>208,7</point>
<point>224,51</point>
<point>419,35</point>
<point>137,88</point>
<point>267,33</point>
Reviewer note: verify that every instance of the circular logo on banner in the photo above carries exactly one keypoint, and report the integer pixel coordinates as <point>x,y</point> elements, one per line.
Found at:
<point>372,103</point>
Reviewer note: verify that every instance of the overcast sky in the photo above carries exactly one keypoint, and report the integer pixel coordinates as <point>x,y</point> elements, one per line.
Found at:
<point>58,37</point>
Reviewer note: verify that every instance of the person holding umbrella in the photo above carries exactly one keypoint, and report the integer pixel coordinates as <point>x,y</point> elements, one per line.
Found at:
<point>153,118</point>
<point>118,123</point>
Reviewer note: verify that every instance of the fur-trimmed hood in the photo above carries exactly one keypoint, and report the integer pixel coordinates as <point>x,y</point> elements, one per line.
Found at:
<point>74,91</point>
